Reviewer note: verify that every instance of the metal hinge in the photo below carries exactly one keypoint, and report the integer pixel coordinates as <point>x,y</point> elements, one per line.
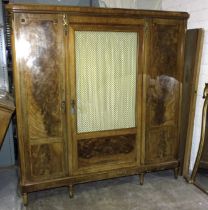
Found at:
<point>65,24</point>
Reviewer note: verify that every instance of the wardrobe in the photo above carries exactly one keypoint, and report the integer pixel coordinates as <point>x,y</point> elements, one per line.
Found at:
<point>98,92</point>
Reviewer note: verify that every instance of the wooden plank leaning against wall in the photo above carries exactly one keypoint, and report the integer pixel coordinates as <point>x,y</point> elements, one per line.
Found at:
<point>193,52</point>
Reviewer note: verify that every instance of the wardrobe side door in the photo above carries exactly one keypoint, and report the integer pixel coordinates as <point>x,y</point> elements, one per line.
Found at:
<point>163,98</point>
<point>40,95</point>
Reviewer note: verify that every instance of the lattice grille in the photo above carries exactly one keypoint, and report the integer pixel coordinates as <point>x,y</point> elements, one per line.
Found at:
<point>105,80</point>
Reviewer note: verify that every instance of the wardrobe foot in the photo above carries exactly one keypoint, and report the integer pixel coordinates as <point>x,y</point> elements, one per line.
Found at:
<point>141,178</point>
<point>25,199</point>
<point>71,191</point>
<point>176,172</point>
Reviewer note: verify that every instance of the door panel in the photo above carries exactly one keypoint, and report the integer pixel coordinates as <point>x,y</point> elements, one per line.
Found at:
<point>163,93</point>
<point>103,150</point>
<point>104,95</point>
<point>161,144</point>
<point>47,160</point>
<point>105,80</point>
<point>40,53</point>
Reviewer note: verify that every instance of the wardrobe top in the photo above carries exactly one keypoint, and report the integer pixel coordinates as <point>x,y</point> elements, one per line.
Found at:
<point>37,8</point>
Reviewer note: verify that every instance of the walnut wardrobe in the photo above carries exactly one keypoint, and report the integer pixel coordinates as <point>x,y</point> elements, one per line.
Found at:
<point>98,92</point>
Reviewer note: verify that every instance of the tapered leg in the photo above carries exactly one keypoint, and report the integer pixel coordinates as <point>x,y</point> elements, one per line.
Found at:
<point>176,172</point>
<point>141,178</point>
<point>71,191</point>
<point>25,199</point>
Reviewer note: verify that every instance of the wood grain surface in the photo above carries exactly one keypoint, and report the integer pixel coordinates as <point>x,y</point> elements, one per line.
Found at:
<point>52,153</point>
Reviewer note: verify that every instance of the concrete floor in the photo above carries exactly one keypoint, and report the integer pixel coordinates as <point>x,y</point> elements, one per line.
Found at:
<point>159,192</point>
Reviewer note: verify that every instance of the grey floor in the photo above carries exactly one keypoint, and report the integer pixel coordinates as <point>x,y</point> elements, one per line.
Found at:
<point>159,192</point>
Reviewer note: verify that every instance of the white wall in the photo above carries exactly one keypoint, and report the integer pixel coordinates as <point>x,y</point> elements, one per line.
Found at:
<point>55,2</point>
<point>133,4</point>
<point>198,11</point>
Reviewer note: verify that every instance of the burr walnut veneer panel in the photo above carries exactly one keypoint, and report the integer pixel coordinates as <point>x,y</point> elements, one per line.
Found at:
<point>105,150</point>
<point>40,55</point>
<point>163,93</point>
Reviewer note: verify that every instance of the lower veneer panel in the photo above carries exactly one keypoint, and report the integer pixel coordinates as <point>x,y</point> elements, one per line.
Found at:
<point>47,161</point>
<point>106,150</point>
<point>161,145</point>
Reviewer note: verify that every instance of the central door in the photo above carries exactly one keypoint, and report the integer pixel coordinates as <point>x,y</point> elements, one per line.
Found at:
<point>104,96</point>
